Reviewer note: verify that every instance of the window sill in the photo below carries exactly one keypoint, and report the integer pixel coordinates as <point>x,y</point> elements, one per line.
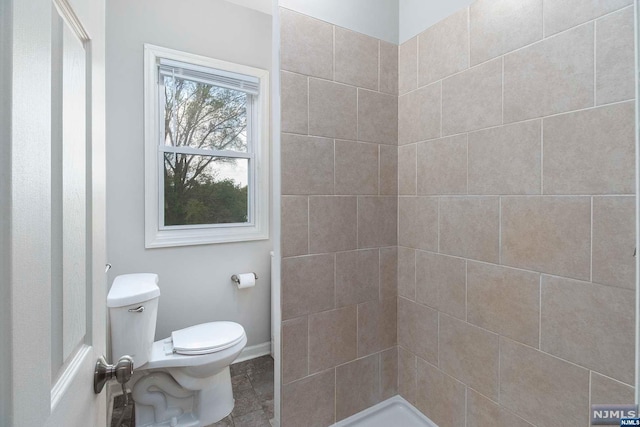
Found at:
<point>203,236</point>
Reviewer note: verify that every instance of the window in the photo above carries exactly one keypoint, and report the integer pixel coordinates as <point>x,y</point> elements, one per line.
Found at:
<point>206,149</point>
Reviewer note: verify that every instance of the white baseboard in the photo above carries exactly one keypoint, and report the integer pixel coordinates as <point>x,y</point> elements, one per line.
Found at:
<point>253,351</point>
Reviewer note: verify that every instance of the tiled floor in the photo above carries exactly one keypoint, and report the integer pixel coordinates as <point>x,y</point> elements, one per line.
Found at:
<point>129,416</point>
<point>252,388</point>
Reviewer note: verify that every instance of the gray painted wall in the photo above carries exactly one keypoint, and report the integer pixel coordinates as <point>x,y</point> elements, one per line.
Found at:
<point>5,211</point>
<point>378,18</point>
<point>195,280</point>
<point>264,6</point>
<point>395,21</point>
<point>415,16</point>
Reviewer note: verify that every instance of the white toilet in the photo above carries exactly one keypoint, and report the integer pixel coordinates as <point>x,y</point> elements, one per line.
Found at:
<point>182,380</point>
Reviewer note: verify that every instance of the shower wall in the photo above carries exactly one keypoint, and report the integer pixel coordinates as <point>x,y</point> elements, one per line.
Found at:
<point>516,213</point>
<point>473,189</point>
<point>339,220</point>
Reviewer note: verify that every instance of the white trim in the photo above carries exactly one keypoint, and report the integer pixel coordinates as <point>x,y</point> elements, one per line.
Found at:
<point>258,227</point>
<point>276,254</point>
<point>254,351</point>
<point>6,316</point>
<point>67,13</point>
<point>202,152</point>
<point>64,383</point>
<point>636,33</point>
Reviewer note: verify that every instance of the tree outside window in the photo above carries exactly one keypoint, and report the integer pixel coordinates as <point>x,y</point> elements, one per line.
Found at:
<point>200,189</point>
<point>206,150</point>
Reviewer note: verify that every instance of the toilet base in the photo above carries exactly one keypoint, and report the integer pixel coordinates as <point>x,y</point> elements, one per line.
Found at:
<point>216,402</point>
<point>161,402</point>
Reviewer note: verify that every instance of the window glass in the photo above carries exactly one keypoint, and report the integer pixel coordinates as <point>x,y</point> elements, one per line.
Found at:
<point>205,190</point>
<point>201,115</point>
<point>206,150</point>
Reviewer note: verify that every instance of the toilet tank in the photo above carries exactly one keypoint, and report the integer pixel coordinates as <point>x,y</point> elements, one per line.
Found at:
<point>133,307</point>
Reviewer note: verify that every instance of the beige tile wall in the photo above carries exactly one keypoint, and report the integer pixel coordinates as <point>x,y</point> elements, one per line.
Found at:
<point>516,213</point>
<point>339,221</point>
<point>458,215</point>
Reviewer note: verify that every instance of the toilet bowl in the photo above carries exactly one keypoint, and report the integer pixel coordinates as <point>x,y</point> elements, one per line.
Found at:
<point>182,380</point>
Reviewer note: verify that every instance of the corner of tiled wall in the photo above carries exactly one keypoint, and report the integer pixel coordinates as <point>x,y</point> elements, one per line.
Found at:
<point>473,186</point>
<point>516,213</point>
<point>339,221</point>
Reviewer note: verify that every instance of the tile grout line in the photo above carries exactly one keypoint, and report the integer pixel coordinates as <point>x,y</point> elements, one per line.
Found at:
<point>438,343</point>
<point>334,168</point>
<point>595,92</point>
<point>503,89</point>
<point>466,403</point>
<point>466,290</point>
<point>308,225</point>
<point>335,395</point>
<point>467,135</point>
<point>335,276</point>
<point>397,347</point>
<point>610,104</point>
<point>357,330</point>
<point>469,35</point>
<point>541,157</point>
<point>441,108</point>
<point>415,275</point>
<point>415,178</point>
<point>553,356</point>
<point>333,52</point>
<point>509,195</point>
<point>308,105</point>
<point>590,379</point>
<point>415,376</point>
<point>357,224</point>
<point>591,243</point>
<point>438,225</point>
<point>417,60</point>
<point>345,84</point>
<point>540,313</point>
<point>357,114</point>
<point>379,166</point>
<point>511,51</point>
<point>379,250</point>
<point>500,230</point>
<point>308,346</point>
<point>499,354</point>
<point>379,62</point>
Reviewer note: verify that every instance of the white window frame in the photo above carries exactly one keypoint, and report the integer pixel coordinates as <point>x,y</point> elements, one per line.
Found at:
<point>257,228</point>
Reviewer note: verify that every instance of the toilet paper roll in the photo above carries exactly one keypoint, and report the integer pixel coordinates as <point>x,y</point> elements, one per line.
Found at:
<point>246,280</point>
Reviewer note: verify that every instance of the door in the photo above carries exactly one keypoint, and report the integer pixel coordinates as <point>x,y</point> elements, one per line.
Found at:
<point>55,204</point>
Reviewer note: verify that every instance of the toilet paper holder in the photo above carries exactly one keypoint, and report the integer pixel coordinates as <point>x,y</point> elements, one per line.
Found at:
<point>235,279</point>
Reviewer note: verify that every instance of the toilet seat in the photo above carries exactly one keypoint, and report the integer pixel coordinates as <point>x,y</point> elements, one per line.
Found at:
<point>206,338</point>
<point>164,355</point>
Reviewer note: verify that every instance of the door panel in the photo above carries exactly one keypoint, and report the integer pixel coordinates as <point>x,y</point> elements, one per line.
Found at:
<point>69,192</point>
<point>74,192</point>
<point>71,110</point>
<point>57,212</point>
<point>77,108</point>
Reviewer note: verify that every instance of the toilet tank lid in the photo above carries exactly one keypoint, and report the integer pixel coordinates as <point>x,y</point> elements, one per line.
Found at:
<point>130,289</point>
